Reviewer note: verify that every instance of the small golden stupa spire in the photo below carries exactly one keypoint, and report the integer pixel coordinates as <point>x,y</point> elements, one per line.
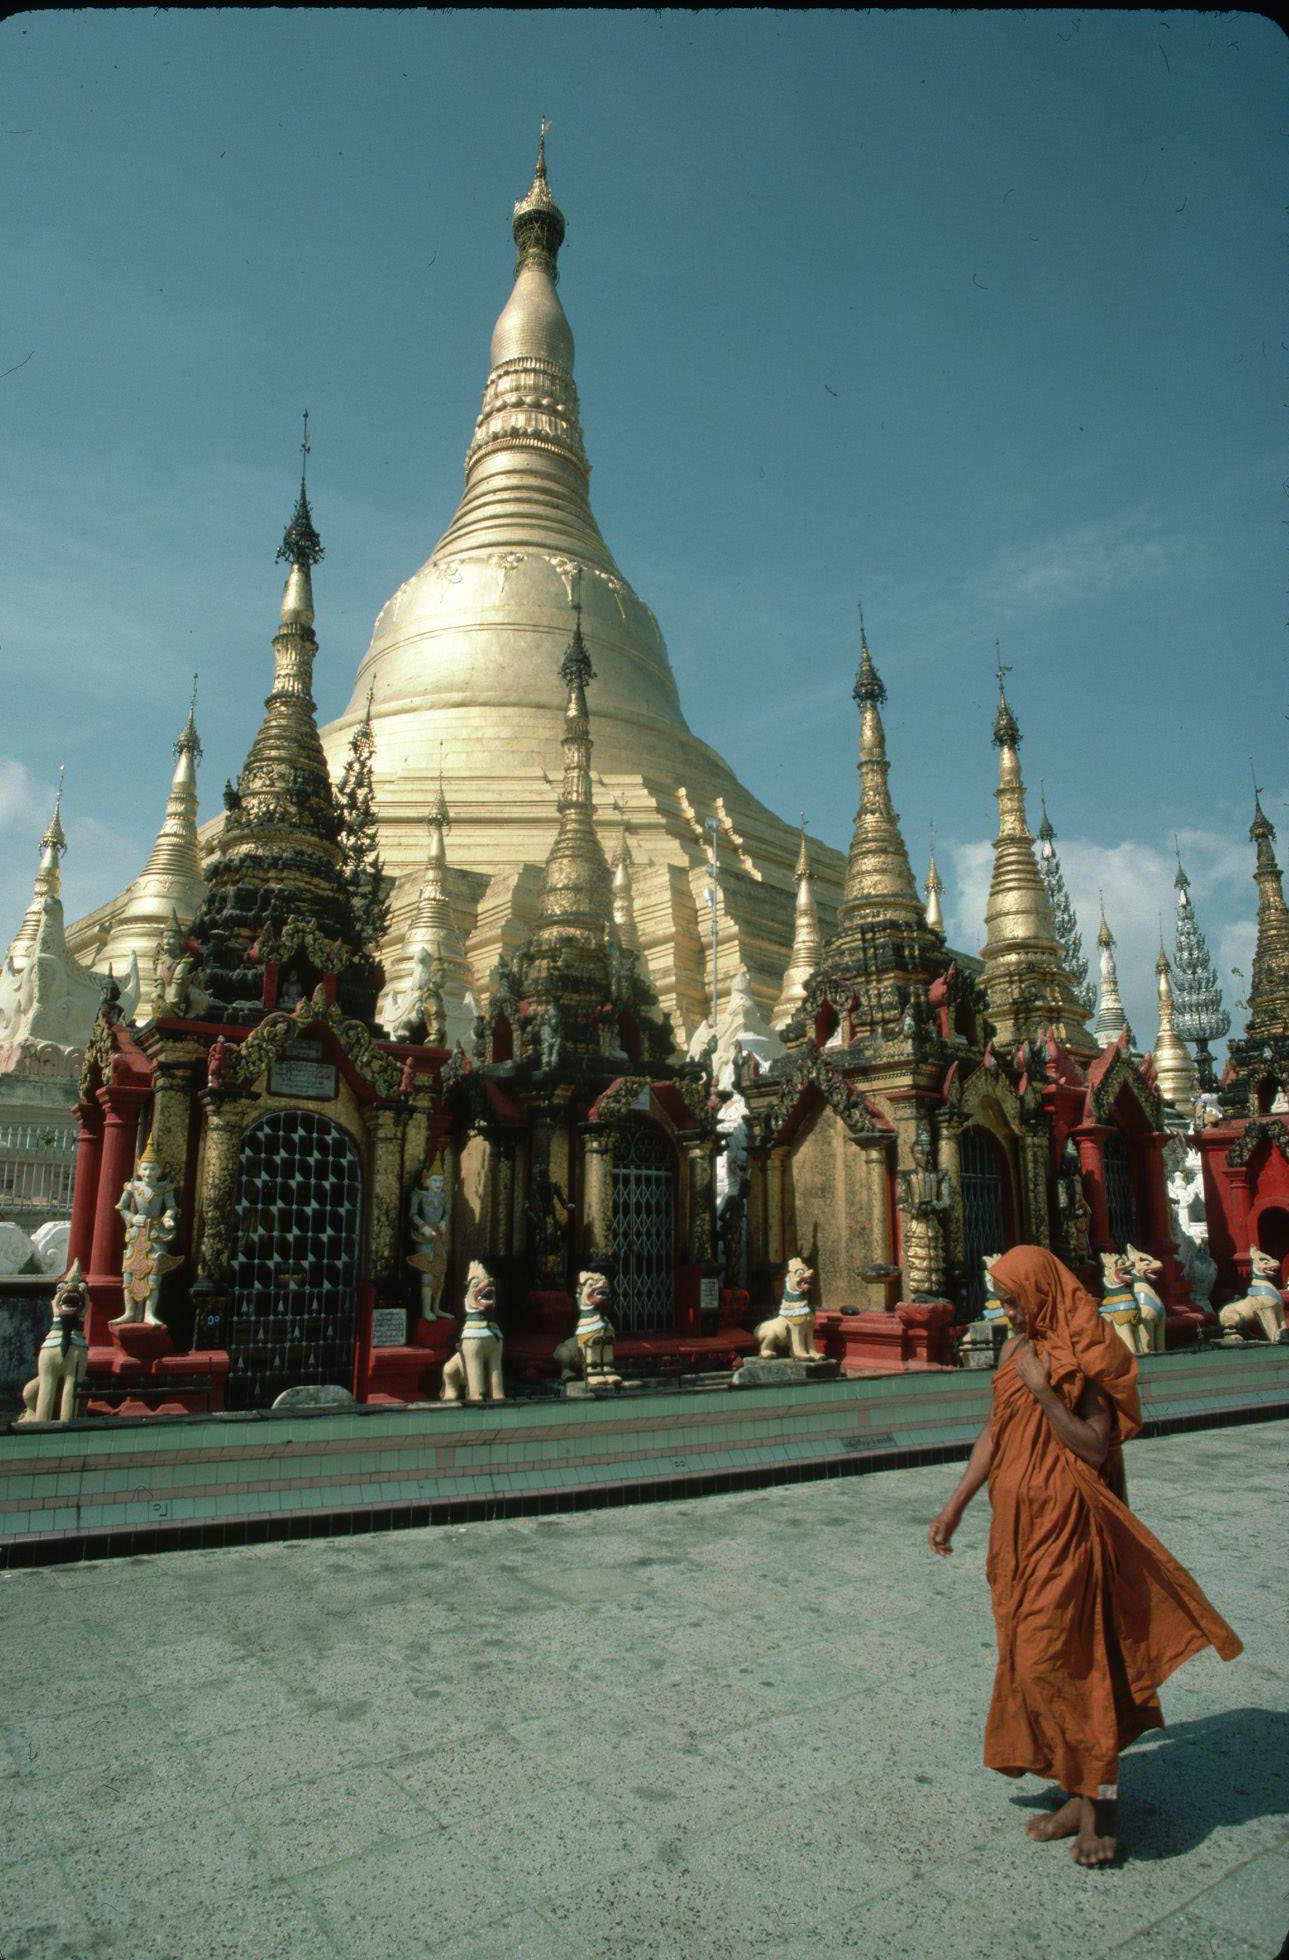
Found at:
<point>1025,981</point>
<point>1174,1064</point>
<point>933,888</point>
<point>48,881</point>
<point>576,906</point>
<point>879,878</point>
<point>1269,985</point>
<point>807,941</point>
<point>1111,1020</point>
<point>171,882</point>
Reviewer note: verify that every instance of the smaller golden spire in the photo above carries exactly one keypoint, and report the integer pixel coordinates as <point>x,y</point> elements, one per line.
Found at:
<point>1026,984</point>
<point>933,888</point>
<point>879,878</point>
<point>1111,1020</point>
<point>48,880</point>
<point>807,941</point>
<point>1174,1065</point>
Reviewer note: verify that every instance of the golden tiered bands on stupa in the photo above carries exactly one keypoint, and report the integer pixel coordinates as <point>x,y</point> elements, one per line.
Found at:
<point>457,1006</point>
<point>463,676</point>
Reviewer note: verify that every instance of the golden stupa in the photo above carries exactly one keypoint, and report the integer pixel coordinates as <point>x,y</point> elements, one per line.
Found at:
<point>462,684</point>
<point>463,676</point>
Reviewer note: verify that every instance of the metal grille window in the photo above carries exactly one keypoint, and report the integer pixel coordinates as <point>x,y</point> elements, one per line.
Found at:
<point>295,1274</point>
<point>644,1232</point>
<point>1120,1206</point>
<point>984,1210</point>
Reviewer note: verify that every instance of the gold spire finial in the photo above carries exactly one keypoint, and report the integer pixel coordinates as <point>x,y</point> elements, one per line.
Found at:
<point>538,222</point>
<point>879,878</point>
<point>54,838</point>
<point>933,888</point>
<point>807,941</point>
<point>187,741</point>
<point>301,544</point>
<point>1006,727</point>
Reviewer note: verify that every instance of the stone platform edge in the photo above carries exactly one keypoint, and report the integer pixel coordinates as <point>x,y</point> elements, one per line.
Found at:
<point>113,1487</point>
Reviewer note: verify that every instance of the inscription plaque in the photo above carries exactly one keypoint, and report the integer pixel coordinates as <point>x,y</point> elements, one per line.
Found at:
<point>301,1071</point>
<point>388,1327</point>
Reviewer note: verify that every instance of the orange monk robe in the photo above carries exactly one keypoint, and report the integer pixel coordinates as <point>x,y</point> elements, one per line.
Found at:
<point>1092,1613</point>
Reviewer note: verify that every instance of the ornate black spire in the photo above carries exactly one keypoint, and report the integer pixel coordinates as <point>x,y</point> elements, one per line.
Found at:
<point>301,544</point>
<point>1199,1014</point>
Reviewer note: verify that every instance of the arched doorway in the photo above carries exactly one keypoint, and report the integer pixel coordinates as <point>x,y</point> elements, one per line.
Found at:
<point>1273,1236</point>
<point>644,1229</point>
<point>986,1208</point>
<point>295,1269</point>
<point>1120,1197</point>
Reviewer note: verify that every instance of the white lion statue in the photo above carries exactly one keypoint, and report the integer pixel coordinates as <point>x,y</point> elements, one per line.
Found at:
<point>473,1373</point>
<point>1263,1305</point>
<point>64,1355</point>
<point>1144,1269</point>
<point>792,1331</point>
<point>588,1351</point>
<point>1119,1301</point>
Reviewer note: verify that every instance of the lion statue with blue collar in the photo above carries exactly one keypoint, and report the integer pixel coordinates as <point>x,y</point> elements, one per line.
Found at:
<point>588,1351</point>
<point>473,1373</point>
<point>792,1331</point>
<point>1262,1307</point>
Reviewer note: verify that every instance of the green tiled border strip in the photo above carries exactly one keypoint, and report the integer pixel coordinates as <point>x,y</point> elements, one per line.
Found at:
<point>100,1487</point>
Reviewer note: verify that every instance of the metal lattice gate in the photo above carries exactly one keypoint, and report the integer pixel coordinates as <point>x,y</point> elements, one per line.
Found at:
<point>644,1231</point>
<point>984,1210</point>
<point>1120,1208</point>
<point>295,1271</point>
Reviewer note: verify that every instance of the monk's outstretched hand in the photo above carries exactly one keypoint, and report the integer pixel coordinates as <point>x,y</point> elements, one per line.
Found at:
<point>1033,1368</point>
<point>942,1530</point>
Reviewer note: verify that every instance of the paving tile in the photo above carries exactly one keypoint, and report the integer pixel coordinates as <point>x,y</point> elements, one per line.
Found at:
<point>1184,1937</point>
<point>1252,1903</point>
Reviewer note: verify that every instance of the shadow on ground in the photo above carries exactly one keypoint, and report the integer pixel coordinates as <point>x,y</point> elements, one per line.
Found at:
<point>1195,1777</point>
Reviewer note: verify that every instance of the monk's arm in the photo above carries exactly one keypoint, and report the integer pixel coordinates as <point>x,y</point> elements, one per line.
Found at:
<point>975,1474</point>
<point>1085,1429</point>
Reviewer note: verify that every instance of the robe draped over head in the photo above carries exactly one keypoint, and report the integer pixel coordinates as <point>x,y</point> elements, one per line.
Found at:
<point>1064,1320</point>
<point>1092,1612</point>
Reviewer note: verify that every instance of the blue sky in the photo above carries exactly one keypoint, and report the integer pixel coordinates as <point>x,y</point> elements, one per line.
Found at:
<point>979,317</point>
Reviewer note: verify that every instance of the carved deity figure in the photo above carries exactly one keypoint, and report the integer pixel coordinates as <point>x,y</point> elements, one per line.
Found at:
<point>588,1351</point>
<point>174,968</point>
<point>427,1226</point>
<point>149,1204</point>
<point>1145,1269</point>
<point>1076,1219</point>
<point>217,1062</point>
<point>63,1357</point>
<point>550,1036</point>
<point>925,1197</point>
<point>473,1373</point>
<point>792,1330</point>
<point>1262,1307</point>
<point>1119,1302</point>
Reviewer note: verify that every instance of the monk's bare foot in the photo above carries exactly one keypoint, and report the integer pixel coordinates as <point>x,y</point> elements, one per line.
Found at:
<point>1057,1823</point>
<point>1096,1843</point>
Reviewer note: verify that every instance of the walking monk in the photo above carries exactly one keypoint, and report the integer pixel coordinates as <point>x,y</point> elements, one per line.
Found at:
<point>1092,1613</point>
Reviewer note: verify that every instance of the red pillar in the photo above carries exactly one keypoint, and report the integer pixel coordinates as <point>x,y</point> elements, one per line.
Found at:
<point>120,1131</point>
<point>1088,1139</point>
<point>89,1152</point>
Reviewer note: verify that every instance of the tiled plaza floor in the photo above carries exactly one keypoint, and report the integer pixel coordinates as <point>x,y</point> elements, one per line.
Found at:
<point>743,1726</point>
